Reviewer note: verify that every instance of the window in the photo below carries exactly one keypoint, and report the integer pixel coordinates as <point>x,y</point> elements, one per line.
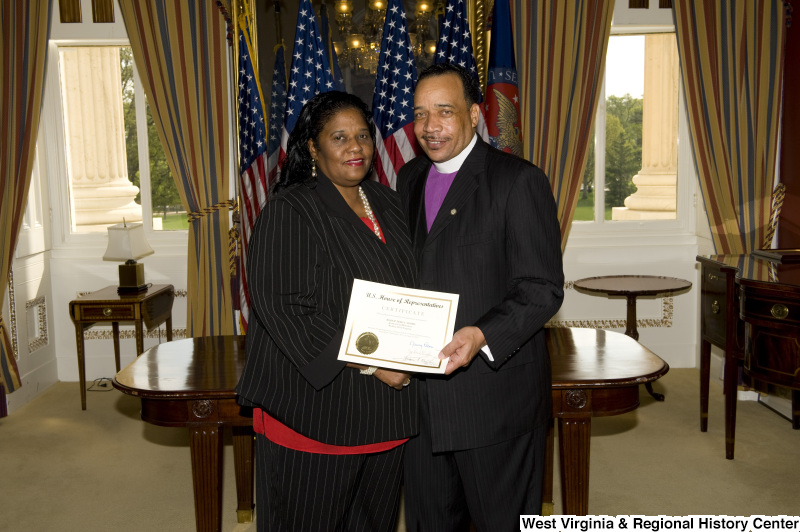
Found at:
<point>116,168</point>
<point>632,167</point>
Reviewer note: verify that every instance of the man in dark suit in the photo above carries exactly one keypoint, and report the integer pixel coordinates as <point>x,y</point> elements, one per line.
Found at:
<point>484,225</point>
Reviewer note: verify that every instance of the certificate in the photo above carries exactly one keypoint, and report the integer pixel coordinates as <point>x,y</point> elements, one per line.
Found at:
<point>398,328</point>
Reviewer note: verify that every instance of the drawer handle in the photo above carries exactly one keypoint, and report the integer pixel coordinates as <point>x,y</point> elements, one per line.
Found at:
<point>715,307</point>
<point>712,277</point>
<point>107,312</point>
<point>779,311</point>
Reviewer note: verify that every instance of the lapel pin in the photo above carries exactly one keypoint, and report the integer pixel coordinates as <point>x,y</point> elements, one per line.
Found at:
<point>453,212</point>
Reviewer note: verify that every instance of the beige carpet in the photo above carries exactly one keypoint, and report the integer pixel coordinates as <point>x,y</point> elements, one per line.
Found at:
<point>105,469</point>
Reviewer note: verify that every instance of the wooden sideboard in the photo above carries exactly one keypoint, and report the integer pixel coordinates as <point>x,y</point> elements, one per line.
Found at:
<point>730,321</point>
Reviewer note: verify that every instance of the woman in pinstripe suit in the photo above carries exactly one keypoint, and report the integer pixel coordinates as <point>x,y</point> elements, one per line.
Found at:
<point>329,435</point>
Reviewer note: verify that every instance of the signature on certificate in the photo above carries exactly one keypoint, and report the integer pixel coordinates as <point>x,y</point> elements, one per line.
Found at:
<point>418,347</point>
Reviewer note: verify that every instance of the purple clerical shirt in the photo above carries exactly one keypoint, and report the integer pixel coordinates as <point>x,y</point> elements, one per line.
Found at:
<point>435,190</point>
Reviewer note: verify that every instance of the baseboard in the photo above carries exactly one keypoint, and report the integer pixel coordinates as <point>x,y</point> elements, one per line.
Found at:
<point>747,395</point>
<point>33,383</point>
<point>717,370</point>
<point>778,404</point>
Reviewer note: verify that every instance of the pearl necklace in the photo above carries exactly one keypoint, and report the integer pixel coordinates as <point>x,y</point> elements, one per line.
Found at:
<point>367,208</point>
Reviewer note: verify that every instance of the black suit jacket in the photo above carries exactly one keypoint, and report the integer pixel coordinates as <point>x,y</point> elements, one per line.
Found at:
<point>306,248</point>
<point>495,242</point>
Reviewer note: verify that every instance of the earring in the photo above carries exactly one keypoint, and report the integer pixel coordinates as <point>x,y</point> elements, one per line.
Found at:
<point>313,168</point>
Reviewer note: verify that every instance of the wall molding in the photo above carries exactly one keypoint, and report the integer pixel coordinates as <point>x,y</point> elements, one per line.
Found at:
<point>12,311</point>
<point>125,334</point>
<point>40,340</point>
<point>665,320</point>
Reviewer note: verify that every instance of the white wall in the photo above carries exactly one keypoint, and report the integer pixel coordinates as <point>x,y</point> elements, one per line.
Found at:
<point>671,324</point>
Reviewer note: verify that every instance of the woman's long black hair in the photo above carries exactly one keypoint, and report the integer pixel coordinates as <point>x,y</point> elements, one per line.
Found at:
<point>316,114</point>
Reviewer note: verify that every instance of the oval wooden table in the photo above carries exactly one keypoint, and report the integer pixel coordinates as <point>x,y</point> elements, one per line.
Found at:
<point>190,383</point>
<point>632,287</point>
<point>595,373</point>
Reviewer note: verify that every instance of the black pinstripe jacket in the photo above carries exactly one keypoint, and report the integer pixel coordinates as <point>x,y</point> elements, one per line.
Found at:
<point>496,243</point>
<point>306,248</point>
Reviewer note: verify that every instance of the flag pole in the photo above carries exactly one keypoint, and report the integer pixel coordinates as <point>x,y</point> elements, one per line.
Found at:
<point>478,22</point>
<point>278,29</point>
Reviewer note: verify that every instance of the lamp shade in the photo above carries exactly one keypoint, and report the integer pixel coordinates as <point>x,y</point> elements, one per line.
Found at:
<point>127,242</point>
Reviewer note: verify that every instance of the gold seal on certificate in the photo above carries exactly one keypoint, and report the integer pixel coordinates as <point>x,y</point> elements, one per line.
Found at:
<point>413,327</point>
<point>367,343</point>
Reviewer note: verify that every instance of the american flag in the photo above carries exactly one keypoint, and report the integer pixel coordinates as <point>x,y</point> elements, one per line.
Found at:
<point>277,107</point>
<point>326,39</point>
<point>310,73</point>
<point>393,101</point>
<point>455,47</point>
<point>252,153</point>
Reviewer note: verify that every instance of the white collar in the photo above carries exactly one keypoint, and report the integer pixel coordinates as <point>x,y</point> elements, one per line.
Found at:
<point>454,164</point>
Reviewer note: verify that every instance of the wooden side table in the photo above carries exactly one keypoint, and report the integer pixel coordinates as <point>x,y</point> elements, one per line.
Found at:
<point>191,383</point>
<point>720,326</point>
<point>595,373</point>
<point>147,309</point>
<point>723,316</point>
<point>632,287</point>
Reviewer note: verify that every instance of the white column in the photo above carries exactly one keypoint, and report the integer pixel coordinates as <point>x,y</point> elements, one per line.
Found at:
<point>98,170</point>
<point>656,183</point>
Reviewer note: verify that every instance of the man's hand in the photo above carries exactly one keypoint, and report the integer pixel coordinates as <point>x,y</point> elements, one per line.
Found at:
<point>462,348</point>
<point>395,379</point>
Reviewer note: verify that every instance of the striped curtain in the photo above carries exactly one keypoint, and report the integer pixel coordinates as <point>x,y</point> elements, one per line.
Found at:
<point>24,30</point>
<point>731,55</point>
<point>561,48</point>
<point>179,48</point>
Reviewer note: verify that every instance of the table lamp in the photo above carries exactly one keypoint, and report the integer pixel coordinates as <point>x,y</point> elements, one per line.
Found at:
<point>126,242</point>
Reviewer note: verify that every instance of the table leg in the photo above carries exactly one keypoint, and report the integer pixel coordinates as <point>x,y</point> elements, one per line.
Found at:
<point>630,320</point>
<point>796,409</point>
<point>115,335</point>
<point>633,332</point>
<point>730,380</point>
<point>139,337</point>
<point>243,461</point>
<point>573,449</point>
<point>169,328</point>
<point>206,447</point>
<point>705,375</point>
<point>81,363</point>
<point>548,507</point>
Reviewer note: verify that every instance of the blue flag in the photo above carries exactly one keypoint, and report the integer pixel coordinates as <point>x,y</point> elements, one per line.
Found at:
<point>502,92</point>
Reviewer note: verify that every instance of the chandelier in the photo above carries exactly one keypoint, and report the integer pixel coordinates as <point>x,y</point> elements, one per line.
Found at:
<point>359,44</point>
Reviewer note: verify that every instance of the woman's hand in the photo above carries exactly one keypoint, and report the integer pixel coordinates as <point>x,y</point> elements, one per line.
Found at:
<point>395,379</point>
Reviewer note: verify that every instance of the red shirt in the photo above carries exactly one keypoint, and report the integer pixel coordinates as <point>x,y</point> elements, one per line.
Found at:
<point>282,435</point>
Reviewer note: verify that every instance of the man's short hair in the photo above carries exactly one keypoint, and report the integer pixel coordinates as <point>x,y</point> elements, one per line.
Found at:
<point>472,91</point>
